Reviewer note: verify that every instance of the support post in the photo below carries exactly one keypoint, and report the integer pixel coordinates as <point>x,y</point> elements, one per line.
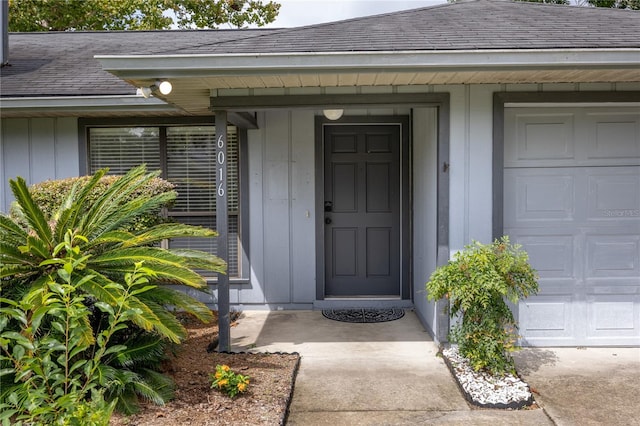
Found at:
<point>222,221</point>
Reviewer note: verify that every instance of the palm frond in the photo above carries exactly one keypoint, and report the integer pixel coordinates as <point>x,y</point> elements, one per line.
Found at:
<point>163,295</point>
<point>146,350</point>
<point>111,237</point>
<point>37,247</point>
<point>120,388</point>
<point>10,231</point>
<point>155,317</point>
<point>11,254</point>
<point>166,265</point>
<point>12,270</point>
<point>65,213</point>
<point>99,215</point>
<point>32,212</point>
<point>98,286</point>
<point>71,217</point>
<point>148,318</point>
<point>162,386</point>
<point>127,403</point>
<point>166,231</point>
<point>107,375</point>
<point>196,259</point>
<point>131,210</point>
<point>150,393</point>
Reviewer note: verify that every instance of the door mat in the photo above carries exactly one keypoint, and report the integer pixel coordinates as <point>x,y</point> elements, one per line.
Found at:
<point>363,315</point>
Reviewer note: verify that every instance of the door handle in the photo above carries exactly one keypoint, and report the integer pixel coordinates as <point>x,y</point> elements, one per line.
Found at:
<point>328,206</point>
<point>327,221</point>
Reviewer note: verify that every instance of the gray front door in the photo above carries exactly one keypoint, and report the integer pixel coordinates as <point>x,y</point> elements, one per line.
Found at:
<point>362,210</point>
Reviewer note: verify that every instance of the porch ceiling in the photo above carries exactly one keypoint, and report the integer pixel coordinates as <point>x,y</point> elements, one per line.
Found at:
<point>192,94</point>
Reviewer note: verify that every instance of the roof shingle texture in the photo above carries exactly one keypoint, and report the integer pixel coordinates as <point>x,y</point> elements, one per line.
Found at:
<point>480,24</point>
<point>62,64</point>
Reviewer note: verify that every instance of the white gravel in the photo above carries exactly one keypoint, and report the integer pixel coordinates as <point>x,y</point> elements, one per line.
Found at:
<point>483,388</point>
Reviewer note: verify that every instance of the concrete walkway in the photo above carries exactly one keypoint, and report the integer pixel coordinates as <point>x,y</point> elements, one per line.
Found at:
<point>584,386</point>
<point>367,374</point>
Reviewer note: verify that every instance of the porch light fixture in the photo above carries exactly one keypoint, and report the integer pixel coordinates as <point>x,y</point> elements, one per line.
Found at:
<point>144,91</point>
<point>333,114</point>
<point>163,86</point>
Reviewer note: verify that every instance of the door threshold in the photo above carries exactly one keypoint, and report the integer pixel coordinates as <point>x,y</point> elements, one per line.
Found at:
<point>362,298</point>
<point>373,303</point>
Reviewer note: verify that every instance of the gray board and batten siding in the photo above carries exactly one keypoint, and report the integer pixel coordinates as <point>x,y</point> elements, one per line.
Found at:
<point>37,149</point>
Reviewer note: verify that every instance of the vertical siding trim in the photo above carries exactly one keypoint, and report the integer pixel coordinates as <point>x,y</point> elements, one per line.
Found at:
<point>3,168</point>
<point>290,201</point>
<point>467,162</point>
<point>30,150</point>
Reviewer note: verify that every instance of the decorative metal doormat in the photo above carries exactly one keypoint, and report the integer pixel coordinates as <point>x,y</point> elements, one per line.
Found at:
<point>363,315</point>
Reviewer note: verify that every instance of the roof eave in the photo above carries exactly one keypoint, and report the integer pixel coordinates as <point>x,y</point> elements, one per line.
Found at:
<point>81,105</point>
<point>175,66</point>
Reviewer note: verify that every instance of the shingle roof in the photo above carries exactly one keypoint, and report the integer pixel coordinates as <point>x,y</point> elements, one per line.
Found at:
<point>478,24</point>
<point>62,63</point>
<point>50,64</point>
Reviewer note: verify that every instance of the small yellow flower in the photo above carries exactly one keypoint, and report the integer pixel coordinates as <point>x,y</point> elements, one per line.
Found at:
<point>241,387</point>
<point>222,383</point>
<point>225,368</point>
<point>218,375</point>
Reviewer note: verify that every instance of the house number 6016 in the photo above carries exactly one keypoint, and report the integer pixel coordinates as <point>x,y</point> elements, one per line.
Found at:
<point>220,163</point>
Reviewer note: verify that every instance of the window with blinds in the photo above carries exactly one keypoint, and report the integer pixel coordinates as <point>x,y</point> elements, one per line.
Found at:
<point>122,148</point>
<point>186,156</point>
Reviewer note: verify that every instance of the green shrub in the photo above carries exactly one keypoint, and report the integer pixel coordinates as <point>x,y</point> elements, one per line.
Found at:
<point>56,362</point>
<point>51,194</point>
<point>476,282</point>
<point>102,230</point>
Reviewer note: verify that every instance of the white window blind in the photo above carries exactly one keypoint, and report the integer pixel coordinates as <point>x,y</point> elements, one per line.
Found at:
<point>122,148</point>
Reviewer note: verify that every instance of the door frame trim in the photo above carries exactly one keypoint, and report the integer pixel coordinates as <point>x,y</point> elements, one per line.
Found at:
<point>405,197</point>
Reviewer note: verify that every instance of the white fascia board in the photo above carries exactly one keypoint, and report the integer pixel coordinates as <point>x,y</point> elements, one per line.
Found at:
<point>72,103</point>
<point>186,65</point>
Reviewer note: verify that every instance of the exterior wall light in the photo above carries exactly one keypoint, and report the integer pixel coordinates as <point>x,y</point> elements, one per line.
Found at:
<point>163,86</point>
<point>333,114</point>
<point>144,91</point>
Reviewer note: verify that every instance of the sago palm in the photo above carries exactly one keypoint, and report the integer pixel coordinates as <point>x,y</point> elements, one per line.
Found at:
<point>113,247</point>
<point>113,244</point>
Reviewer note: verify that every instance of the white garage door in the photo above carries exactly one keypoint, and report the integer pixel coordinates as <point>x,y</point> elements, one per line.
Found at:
<point>572,199</point>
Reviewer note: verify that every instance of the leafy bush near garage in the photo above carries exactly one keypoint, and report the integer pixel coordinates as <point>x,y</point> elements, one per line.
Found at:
<point>476,282</point>
<point>51,194</point>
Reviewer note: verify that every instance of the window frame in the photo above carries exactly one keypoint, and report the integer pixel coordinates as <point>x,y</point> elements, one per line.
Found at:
<point>85,124</point>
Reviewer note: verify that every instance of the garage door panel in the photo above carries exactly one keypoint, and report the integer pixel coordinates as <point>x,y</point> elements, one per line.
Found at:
<point>539,196</point>
<point>575,207</point>
<point>541,136</point>
<point>546,317</point>
<point>550,255</point>
<point>614,315</point>
<point>613,256</point>
<point>614,194</point>
<point>613,136</point>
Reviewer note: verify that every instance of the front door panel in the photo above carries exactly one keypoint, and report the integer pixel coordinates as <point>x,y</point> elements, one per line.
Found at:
<point>362,210</point>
